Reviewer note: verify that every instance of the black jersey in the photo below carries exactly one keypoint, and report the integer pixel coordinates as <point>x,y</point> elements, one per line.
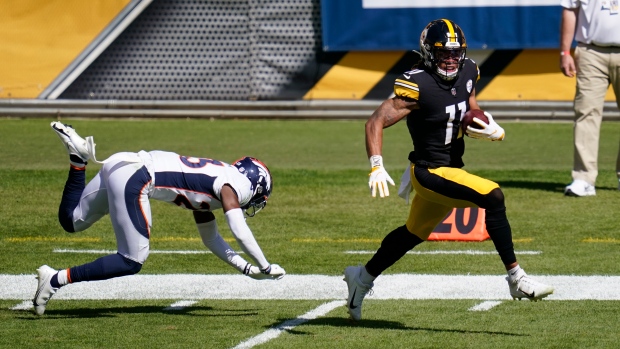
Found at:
<point>435,126</point>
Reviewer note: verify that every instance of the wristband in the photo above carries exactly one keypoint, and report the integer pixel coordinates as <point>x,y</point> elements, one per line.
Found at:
<point>376,161</point>
<point>564,53</point>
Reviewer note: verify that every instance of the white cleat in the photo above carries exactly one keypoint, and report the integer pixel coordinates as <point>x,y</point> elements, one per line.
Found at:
<point>45,291</point>
<point>75,144</point>
<point>580,188</point>
<point>357,291</point>
<point>524,286</point>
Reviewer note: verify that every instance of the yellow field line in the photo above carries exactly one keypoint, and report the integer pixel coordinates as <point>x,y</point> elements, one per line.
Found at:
<point>53,239</point>
<point>602,240</point>
<point>336,240</point>
<point>184,239</point>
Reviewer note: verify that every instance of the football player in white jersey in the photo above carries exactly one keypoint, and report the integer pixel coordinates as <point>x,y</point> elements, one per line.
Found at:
<point>122,189</point>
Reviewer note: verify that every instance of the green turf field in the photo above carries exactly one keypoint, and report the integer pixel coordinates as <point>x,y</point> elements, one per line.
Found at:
<point>320,207</point>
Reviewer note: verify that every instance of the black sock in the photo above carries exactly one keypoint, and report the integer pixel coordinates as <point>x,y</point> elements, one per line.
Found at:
<point>501,234</point>
<point>395,245</point>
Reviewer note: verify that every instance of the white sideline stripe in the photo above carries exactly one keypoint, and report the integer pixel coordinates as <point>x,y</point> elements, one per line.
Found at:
<point>469,252</point>
<point>311,287</point>
<point>180,305</point>
<point>273,333</point>
<point>62,250</point>
<point>484,306</point>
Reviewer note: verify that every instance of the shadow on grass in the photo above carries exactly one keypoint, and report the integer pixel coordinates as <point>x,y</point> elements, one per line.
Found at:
<point>389,325</point>
<point>544,186</point>
<point>86,313</point>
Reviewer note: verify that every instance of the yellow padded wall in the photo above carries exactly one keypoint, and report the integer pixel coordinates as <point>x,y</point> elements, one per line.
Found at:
<point>533,75</point>
<point>40,38</point>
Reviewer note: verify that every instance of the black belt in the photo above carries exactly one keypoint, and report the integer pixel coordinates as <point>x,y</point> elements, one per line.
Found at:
<point>595,45</point>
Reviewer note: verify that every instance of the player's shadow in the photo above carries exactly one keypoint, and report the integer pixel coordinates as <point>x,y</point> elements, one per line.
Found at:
<point>390,325</point>
<point>544,186</point>
<point>86,313</point>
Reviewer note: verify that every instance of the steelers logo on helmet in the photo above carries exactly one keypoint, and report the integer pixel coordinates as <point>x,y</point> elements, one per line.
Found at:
<point>261,183</point>
<point>443,48</point>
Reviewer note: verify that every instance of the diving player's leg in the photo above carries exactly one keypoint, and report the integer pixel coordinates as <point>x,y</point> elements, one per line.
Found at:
<point>130,210</point>
<point>130,213</point>
<point>76,146</point>
<point>127,186</point>
<point>81,206</point>
<point>78,156</point>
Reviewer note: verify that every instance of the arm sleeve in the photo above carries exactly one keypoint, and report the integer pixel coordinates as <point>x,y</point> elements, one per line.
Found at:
<point>244,237</point>
<point>212,239</point>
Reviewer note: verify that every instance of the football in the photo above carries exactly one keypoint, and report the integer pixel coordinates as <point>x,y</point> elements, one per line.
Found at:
<point>468,119</point>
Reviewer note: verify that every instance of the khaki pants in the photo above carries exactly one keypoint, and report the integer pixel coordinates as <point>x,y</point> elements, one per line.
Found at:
<point>597,67</point>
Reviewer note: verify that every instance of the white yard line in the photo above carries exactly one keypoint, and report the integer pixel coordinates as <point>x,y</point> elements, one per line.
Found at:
<point>273,333</point>
<point>180,305</point>
<point>25,305</point>
<point>435,252</point>
<point>484,306</point>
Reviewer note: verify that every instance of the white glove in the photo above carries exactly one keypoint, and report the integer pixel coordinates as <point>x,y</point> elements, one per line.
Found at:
<point>273,272</point>
<point>491,131</point>
<point>379,177</point>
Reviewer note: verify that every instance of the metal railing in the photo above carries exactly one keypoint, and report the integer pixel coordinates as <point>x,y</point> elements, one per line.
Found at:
<point>314,109</point>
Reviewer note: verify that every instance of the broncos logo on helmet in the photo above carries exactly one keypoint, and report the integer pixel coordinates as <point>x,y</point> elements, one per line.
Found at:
<point>260,177</point>
<point>443,40</point>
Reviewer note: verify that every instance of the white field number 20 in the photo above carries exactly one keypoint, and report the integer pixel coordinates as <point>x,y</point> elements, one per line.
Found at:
<point>451,110</point>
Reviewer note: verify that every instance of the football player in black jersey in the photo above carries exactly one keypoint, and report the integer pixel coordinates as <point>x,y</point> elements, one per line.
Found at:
<point>433,96</point>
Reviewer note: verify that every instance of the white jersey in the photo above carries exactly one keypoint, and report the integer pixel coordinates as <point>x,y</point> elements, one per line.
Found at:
<point>598,22</point>
<point>195,183</point>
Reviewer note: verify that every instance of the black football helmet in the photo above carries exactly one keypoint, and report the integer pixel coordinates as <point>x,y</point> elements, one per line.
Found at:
<point>260,177</point>
<point>441,40</point>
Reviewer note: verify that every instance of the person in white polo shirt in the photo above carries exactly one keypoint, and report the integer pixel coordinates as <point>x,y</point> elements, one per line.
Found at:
<point>595,25</point>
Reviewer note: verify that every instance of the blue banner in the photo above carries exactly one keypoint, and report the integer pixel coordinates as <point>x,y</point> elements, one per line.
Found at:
<point>395,25</point>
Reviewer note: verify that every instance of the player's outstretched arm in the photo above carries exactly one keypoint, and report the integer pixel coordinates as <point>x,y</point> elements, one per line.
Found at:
<point>207,227</point>
<point>245,238</point>
<point>211,238</point>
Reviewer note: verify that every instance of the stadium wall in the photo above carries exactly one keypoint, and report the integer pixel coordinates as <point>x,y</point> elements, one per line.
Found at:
<point>242,50</point>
